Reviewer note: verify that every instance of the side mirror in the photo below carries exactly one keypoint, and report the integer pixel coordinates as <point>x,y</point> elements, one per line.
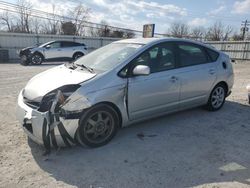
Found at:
<point>48,47</point>
<point>141,70</point>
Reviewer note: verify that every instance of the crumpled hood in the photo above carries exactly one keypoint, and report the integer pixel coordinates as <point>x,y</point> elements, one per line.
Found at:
<point>51,79</point>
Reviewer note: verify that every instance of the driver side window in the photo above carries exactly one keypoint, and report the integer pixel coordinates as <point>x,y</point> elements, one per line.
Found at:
<point>55,45</point>
<point>159,58</point>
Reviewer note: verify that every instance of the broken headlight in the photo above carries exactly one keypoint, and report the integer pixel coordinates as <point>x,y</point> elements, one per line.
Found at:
<point>75,105</point>
<point>48,99</point>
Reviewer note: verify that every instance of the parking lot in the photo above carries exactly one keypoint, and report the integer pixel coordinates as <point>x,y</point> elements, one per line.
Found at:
<point>194,148</point>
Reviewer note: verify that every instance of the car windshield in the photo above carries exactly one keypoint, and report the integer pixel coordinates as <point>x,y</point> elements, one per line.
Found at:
<point>108,57</point>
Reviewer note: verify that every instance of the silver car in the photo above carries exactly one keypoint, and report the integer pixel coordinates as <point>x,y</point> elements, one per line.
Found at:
<point>119,84</point>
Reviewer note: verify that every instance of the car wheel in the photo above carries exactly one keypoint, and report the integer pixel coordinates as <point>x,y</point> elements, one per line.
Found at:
<point>217,98</point>
<point>77,55</point>
<point>24,60</point>
<point>98,126</point>
<point>36,59</point>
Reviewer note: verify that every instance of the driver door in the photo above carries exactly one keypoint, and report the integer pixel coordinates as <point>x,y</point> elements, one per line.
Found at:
<point>53,50</point>
<point>159,91</point>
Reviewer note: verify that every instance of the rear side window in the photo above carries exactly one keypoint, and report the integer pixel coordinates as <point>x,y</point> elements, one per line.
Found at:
<point>66,44</point>
<point>190,54</point>
<point>55,45</point>
<point>212,54</point>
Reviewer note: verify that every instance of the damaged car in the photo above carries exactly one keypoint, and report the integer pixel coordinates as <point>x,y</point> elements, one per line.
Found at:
<point>52,51</point>
<point>127,81</point>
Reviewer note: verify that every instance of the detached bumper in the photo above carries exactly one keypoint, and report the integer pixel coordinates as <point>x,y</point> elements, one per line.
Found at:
<point>45,128</point>
<point>31,120</point>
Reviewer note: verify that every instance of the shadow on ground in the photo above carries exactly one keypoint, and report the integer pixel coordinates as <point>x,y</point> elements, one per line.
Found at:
<point>185,149</point>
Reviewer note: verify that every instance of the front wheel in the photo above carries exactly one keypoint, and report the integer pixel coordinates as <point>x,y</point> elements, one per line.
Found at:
<point>98,126</point>
<point>24,60</point>
<point>36,59</point>
<point>217,98</point>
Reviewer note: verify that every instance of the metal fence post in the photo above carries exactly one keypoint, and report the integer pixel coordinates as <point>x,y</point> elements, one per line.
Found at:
<point>101,41</point>
<point>37,40</point>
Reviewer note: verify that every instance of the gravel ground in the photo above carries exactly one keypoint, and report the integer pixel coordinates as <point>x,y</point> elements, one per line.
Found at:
<point>194,148</point>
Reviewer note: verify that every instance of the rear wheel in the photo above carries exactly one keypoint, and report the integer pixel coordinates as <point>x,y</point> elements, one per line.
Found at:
<point>217,98</point>
<point>37,59</point>
<point>77,55</point>
<point>98,126</point>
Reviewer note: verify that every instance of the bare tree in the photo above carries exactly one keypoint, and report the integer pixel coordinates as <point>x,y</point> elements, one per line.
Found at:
<point>104,30</point>
<point>24,14</point>
<point>179,29</point>
<point>218,32</point>
<point>80,15</point>
<point>93,32</point>
<point>52,24</point>
<point>6,19</point>
<point>237,37</point>
<point>227,31</point>
<point>36,25</point>
<point>198,33</point>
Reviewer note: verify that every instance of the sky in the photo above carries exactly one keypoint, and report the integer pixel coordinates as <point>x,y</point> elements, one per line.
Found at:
<point>134,13</point>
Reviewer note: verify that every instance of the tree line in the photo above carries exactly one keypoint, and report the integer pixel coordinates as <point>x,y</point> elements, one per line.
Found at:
<point>216,32</point>
<point>24,19</point>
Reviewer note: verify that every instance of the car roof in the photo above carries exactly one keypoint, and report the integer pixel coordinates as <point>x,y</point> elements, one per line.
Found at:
<point>146,41</point>
<point>155,40</point>
<point>62,41</point>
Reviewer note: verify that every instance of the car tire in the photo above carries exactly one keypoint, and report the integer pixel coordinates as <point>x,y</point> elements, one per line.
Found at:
<point>97,126</point>
<point>216,98</point>
<point>24,60</point>
<point>37,59</point>
<point>77,55</point>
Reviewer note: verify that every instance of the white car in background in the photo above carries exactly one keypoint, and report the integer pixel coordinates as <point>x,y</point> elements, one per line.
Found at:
<point>53,50</point>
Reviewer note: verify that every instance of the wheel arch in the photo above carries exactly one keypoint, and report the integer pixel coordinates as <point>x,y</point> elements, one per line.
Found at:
<point>223,83</point>
<point>78,52</point>
<point>114,107</point>
<point>39,53</point>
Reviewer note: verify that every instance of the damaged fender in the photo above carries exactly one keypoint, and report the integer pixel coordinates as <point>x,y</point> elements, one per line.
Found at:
<point>56,122</point>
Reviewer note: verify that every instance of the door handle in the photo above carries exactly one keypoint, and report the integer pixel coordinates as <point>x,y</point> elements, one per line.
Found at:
<point>173,79</point>
<point>211,71</point>
<point>59,50</point>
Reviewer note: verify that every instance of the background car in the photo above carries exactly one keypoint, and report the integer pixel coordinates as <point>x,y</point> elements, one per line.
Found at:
<point>52,51</point>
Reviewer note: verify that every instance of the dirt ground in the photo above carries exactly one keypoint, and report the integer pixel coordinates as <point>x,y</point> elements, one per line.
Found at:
<point>194,148</point>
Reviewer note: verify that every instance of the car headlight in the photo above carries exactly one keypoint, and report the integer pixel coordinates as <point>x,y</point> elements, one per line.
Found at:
<point>48,99</point>
<point>75,105</point>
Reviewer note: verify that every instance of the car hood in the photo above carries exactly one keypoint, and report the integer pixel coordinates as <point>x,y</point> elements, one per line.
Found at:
<point>30,47</point>
<point>52,79</point>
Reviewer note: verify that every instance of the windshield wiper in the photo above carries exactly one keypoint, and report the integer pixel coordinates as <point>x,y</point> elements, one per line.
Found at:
<point>86,67</point>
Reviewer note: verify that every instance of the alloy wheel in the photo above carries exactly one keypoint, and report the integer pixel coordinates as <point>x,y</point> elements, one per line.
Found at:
<point>99,127</point>
<point>218,97</point>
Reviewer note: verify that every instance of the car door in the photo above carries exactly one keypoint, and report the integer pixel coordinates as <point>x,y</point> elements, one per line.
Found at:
<point>157,92</point>
<point>197,74</point>
<point>53,50</point>
<point>68,48</point>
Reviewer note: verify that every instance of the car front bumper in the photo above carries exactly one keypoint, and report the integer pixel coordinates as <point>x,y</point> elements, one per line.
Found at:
<point>33,122</point>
